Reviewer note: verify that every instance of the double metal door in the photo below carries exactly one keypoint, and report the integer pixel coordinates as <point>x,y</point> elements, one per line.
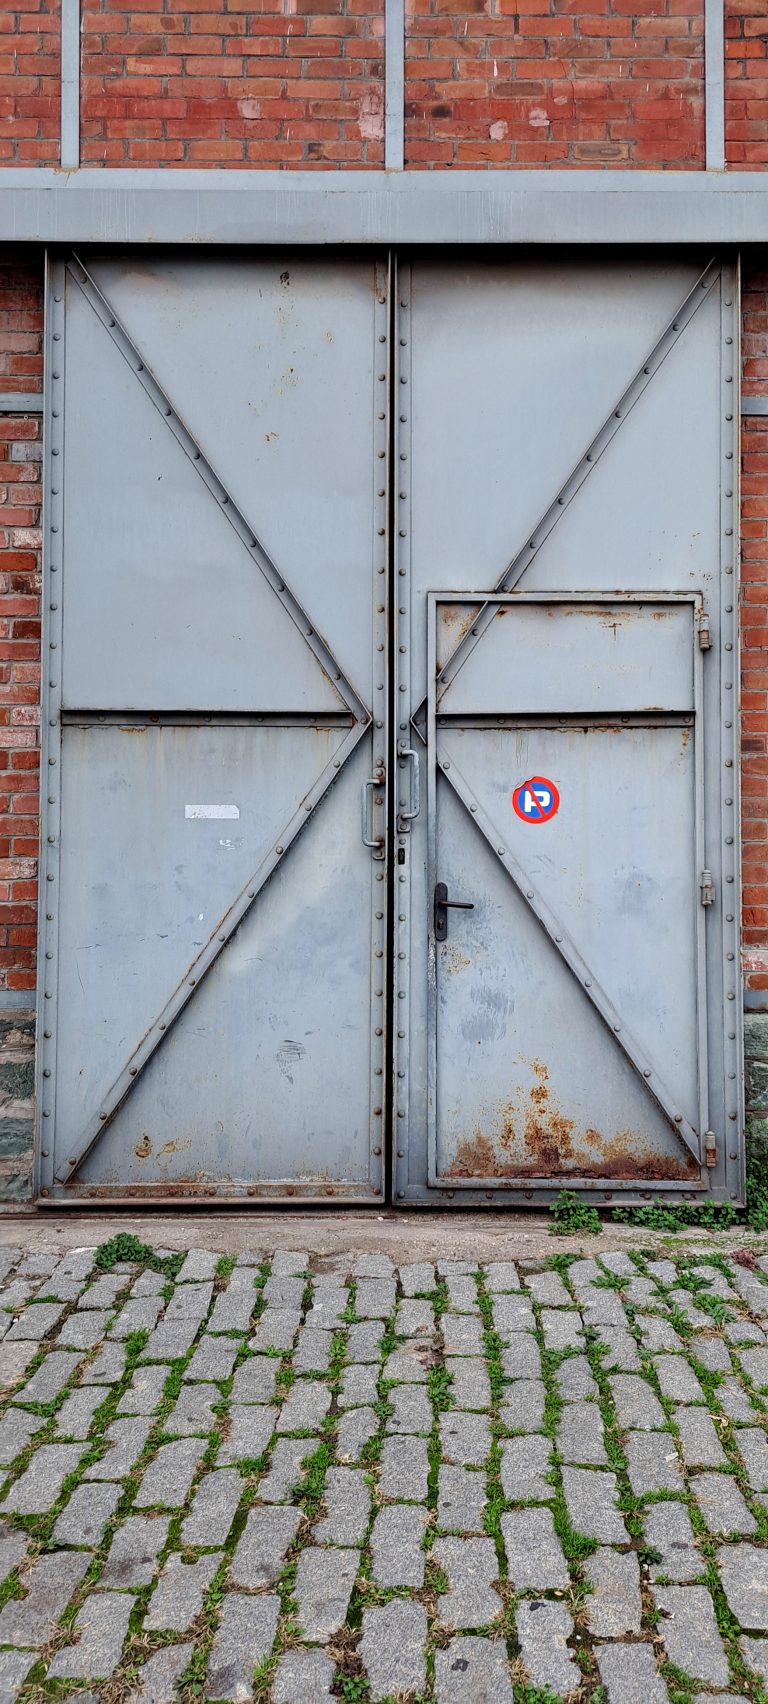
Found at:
<point>392,834</point>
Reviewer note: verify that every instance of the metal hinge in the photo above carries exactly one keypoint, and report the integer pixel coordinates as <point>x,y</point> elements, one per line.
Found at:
<point>705,636</point>
<point>710,1148</point>
<point>707,887</point>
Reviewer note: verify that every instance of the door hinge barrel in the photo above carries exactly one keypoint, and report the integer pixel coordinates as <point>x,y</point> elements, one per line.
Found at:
<point>707,887</point>
<point>705,635</point>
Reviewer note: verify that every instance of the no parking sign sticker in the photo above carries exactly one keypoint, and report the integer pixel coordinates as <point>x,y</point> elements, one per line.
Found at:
<point>536,800</point>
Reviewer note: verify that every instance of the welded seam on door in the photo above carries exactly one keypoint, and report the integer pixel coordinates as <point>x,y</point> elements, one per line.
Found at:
<point>204,961</point>
<point>217,489</point>
<point>570,955</point>
<point>586,464</point>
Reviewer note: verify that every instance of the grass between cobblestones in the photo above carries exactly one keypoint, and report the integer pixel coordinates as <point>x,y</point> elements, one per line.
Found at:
<point>716,1301</point>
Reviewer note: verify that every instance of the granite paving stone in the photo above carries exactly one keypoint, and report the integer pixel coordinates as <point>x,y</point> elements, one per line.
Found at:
<point>404,1469</point>
<point>199,1267</point>
<point>375,1298</point>
<point>580,1434</point>
<point>145,1391</point>
<point>562,1330</point>
<point>354,1431</point>
<point>668,1530</point>
<point>213,1359</point>
<point>167,1480</point>
<point>364,1340</point>
<point>462,1293</point>
<point>194,1411</point>
<point>411,1409</point>
<point>677,1379</point>
<point>263,1546</point>
<point>287,1261</point>
<point>83,1330</point>
<point>542,1629</point>
<point>657,1334</point>
<point>49,1585</point>
<point>359,1385</point>
<point>699,1442</point>
<point>178,1595</point>
<point>303,1677</point>
<point>213,1508</point>
<point>630,1676</point>
<point>125,1440</point>
<point>752,1446</point>
<point>305,1407</point>
<point>323,1588</point>
<point>525,1462</point>
<point>470,1384</point>
<point>522,1405</point>
<point>312,1353</point>
<point>637,1408</point>
<point>171,1342</point>
<point>501,1276</point>
<point>415,1319</point>
<point>472,1668</point>
<point>255,1379</point>
<point>139,1313</point>
<point>38,1487</point>
<point>408,1364</point>
<point>250,1427</point>
<point>16,1429</point>
<point>284,1292</point>
<point>13,1548</point>
<point>712,1353</point>
<point>512,1314</point>
<point>652,1462</point>
<point>392,1649</point>
<point>465,1439</point>
<point>462,1334</point>
<point>59,1366</point>
<point>614,1607</point>
<point>156,1681</point>
<point>396,1539</point>
<point>348,1505</point>
<point>744,1575</point>
<point>755,1364</point>
<point>534,1555</point>
<point>14,1361</point>
<point>86,1515</point>
<point>732,1399</point>
<point>101,1625</point>
<point>14,1667</point>
<point>461,1499</point>
<point>417,1278</point>
<point>36,1321</point>
<point>107,1367</point>
<point>133,1553</point>
<point>591,1498</point>
<point>285,1469</point>
<point>275,1329</point>
<point>520,1357</point>
<point>721,1503</point>
<point>755,1654</point>
<point>575,1380</point>
<point>232,1311</point>
<point>548,1289</point>
<point>621,1349</point>
<point>472,1568</point>
<point>690,1634</point>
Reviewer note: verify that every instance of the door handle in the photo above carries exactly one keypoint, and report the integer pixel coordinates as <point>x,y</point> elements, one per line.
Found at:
<point>376,845</point>
<point>442,906</point>
<point>408,816</point>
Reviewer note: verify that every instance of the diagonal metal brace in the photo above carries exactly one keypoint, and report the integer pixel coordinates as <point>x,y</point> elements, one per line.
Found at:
<point>586,465</point>
<point>215,485</point>
<point>206,958</point>
<point>577,965</point>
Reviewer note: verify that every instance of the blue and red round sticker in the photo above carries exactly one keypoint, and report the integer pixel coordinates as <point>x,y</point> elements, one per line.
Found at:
<point>536,800</point>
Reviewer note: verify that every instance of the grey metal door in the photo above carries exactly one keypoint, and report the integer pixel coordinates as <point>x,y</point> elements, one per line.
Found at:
<point>213,946</point>
<point>567,999</point>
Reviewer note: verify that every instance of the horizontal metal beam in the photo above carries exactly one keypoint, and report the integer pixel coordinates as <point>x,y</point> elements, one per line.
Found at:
<point>21,402</point>
<point>754,405</point>
<point>106,206</point>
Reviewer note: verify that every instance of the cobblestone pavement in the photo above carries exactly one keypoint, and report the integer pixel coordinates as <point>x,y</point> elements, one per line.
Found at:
<point>291,1479</point>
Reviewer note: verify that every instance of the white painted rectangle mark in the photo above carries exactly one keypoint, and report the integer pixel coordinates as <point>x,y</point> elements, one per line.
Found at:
<point>217,813</point>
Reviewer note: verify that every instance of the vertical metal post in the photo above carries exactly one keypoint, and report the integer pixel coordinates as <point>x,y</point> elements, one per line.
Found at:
<point>70,84</point>
<point>394,84</point>
<point>714,84</point>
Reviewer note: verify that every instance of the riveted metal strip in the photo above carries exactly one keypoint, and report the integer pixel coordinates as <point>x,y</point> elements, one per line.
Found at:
<point>379,1088</point>
<point>730,814</point>
<point>228,507</point>
<point>404,873</point>
<point>205,959</point>
<point>587,463</point>
<point>50,734</point>
<point>571,956</point>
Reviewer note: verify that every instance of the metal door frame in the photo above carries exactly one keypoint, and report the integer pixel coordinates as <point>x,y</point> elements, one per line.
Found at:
<point>525,885</point>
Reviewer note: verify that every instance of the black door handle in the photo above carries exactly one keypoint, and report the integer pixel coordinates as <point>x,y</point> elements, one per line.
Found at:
<point>442,906</point>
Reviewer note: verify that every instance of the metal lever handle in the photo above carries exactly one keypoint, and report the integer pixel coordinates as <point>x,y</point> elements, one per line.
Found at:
<point>442,906</point>
<point>408,816</point>
<point>373,781</point>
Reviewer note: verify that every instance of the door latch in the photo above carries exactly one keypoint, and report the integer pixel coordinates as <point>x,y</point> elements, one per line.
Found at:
<point>710,1148</point>
<point>705,632</point>
<point>442,906</point>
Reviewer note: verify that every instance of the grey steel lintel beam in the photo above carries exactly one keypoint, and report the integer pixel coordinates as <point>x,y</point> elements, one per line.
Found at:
<point>98,206</point>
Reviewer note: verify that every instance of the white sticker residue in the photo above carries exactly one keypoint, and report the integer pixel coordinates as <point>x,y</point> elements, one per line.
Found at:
<point>219,813</point>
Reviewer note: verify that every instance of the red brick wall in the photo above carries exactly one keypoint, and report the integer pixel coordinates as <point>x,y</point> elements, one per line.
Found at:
<point>21,320</point>
<point>754,633</point>
<point>224,83</point>
<point>555,83</point>
<point>746,87</point>
<point>30,98</point>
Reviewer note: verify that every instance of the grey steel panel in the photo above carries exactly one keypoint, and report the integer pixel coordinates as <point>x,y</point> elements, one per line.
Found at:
<point>211,860</point>
<point>656,510</point>
<point>575,657</point>
<point>223,207</point>
<point>394,84</point>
